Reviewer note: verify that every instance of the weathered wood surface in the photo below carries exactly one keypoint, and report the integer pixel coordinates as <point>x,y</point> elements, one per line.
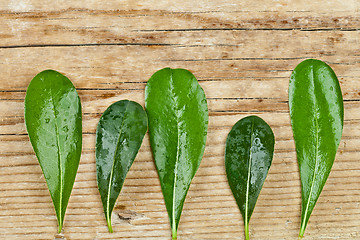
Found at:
<point>242,52</point>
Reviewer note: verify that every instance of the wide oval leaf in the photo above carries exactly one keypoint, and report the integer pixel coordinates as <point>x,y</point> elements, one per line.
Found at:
<point>178,120</point>
<point>53,121</point>
<point>119,135</point>
<point>317,115</point>
<point>248,156</point>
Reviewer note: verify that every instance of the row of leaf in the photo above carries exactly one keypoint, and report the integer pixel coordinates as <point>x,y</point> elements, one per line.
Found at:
<point>177,118</point>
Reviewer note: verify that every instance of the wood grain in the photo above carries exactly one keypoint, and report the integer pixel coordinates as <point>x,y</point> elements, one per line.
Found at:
<point>242,53</point>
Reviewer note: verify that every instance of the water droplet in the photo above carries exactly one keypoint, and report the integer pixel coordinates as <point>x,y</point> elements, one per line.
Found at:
<point>257,141</point>
<point>47,120</point>
<point>66,129</point>
<point>331,88</point>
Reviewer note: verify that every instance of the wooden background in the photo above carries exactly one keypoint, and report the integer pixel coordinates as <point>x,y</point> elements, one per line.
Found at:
<point>242,53</point>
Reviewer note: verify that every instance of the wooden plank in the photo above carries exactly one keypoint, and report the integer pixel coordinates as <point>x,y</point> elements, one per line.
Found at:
<point>152,27</point>
<point>242,53</point>
<point>189,6</point>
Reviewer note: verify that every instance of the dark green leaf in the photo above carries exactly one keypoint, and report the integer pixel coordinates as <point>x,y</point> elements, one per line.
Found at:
<point>119,135</point>
<point>248,156</point>
<point>178,119</point>
<point>53,121</point>
<point>317,115</point>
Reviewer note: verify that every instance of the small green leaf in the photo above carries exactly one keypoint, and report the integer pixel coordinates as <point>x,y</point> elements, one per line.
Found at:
<point>317,115</point>
<point>248,156</point>
<point>119,135</point>
<point>178,119</point>
<point>53,121</point>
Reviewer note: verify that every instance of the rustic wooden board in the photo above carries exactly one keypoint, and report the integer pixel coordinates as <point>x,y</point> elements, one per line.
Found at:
<point>242,53</point>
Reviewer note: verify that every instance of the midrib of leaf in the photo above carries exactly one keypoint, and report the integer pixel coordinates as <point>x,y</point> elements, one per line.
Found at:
<point>248,183</point>
<point>302,230</point>
<point>59,160</point>
<point>112,173</point>
<point>174,230</point>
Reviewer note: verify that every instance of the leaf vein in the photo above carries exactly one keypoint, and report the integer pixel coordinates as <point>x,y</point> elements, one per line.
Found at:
<point>316,158</point>
<point>59,160</point>
<point>248,177</point>
<point>177,157</point>
<point>112,169</point>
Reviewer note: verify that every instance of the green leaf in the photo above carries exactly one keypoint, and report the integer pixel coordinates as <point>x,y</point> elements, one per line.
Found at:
<point>119,135</point>
<point>53,121</point>
<point>178,119</point>
<point>317,115</point>
<point>248,156</point>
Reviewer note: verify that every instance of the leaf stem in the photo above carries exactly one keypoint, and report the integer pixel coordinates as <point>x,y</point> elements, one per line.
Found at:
<point>60,228</point>
<point>108,220</point>
<point>174,234</point>
<point>302,230</point>
<point>247,231</point>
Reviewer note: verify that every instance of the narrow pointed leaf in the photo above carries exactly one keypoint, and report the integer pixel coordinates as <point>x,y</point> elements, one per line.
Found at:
<point>119,135</point>
<point>248,156</point>
<point>317,115</point>
<point>53,121</point>
<point>178,119</point>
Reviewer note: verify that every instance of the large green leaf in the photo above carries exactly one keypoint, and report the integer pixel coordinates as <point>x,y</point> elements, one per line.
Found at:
<point>119,135</point>
<point>53,121</point>
<point>178,119</point>
<point>248,156</point>
<point>317,115</point>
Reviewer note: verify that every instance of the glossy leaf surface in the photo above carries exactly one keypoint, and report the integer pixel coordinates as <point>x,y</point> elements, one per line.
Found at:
<point>53,121</point>
<point>119,135</point>
<point>317,114</point>
<point>178,119</point>
<point>248,156</point>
